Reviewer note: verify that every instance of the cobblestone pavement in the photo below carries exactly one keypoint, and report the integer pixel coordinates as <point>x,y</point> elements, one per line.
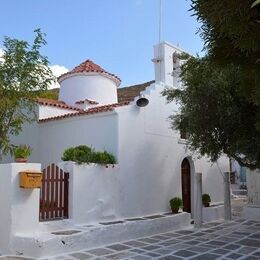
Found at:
<point>238,239</point>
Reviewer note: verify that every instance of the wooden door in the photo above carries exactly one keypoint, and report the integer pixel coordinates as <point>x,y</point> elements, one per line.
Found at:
<point>186,185</point>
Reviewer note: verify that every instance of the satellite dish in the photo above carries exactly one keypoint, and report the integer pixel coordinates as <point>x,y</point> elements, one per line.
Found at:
<point>142,101</point>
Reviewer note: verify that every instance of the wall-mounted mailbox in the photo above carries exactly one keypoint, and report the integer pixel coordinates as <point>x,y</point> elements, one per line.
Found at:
<point>30,179</point>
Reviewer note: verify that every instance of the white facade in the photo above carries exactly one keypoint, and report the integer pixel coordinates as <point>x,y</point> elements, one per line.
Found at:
<point>148,151</point>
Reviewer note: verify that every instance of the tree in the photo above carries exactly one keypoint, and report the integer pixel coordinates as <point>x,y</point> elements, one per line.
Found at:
<point>24,73</point>
<point>214,114</point>
<point>219,107</point>
<point>231,32</point>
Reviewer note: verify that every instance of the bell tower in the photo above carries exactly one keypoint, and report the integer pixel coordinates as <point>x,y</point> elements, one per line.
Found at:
<point>166,58</point>
<point>167,64</point>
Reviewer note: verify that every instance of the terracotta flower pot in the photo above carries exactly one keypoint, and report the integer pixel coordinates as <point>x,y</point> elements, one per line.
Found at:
<point>21,160</point>
<point>175,211</point>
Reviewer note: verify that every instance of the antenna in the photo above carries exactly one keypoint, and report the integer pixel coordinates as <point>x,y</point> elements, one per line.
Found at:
<point>160,20</point>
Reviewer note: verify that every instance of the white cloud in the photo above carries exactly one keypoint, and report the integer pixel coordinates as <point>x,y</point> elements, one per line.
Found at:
<point>1,54</point>
<point>57,70</point>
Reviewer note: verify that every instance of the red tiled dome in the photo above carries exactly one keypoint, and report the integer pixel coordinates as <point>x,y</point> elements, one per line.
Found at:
<point>89,66</point>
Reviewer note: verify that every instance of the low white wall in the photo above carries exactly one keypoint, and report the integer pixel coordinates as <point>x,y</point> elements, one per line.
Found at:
<point>5,205</point>
<point>19,212</point>
<point>252,210</point>
<point>94,192</point>
<point>253,187</point>
<point>100,235</point>
<point>213,213</point>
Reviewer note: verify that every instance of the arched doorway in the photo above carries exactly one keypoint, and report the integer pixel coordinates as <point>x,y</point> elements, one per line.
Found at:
<point>186,185</point>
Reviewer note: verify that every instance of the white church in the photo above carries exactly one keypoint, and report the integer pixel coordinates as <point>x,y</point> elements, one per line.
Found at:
<point>153,162</point>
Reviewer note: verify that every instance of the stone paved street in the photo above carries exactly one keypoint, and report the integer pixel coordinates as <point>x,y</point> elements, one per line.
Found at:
<point>239,239</point>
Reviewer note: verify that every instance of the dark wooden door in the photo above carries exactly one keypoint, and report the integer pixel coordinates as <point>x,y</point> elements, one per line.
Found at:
<point>186,185</point>
<point>54,194</point>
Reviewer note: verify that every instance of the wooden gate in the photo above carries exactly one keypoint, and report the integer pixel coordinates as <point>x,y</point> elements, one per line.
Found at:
<point>54,194</point>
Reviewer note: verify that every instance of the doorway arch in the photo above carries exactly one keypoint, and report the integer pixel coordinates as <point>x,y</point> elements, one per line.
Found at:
<point>186,185</point>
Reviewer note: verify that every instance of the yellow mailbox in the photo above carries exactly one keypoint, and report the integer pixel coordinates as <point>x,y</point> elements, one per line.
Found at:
<point>30,179</point>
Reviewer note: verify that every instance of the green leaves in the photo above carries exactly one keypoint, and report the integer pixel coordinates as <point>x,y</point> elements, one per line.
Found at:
<point>214,114</point>
<point>257,2</point>
<point>84,154</point>
<point>24,74</point>
<point>220,105</point>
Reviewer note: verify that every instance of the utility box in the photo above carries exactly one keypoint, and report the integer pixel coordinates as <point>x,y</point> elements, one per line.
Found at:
<point>30,179</point>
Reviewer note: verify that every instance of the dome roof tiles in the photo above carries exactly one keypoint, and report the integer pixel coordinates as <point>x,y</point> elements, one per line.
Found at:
<point>89,66</point>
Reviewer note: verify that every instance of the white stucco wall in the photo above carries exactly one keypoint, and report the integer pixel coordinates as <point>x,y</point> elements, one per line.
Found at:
<point>88,86</point>
<point>253,187</point>
<point>252,209</point>
<point>5,204</point>
<point>50,111</point>
<point>99,131</point>
<point>150,156</point>
<point>93,192</point>
<point>19,212</point>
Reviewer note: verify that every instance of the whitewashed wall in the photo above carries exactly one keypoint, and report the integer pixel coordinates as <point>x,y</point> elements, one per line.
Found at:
<point>253,186</point>
<point>19,212</point>
<point>48,140</point>
<point>252,209</point>
<point>99,131</point>
<point>156,153</point>
<point>93,192</point>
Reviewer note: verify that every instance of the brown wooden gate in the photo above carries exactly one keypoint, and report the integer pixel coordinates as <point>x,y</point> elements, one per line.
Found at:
<point>54,194</point>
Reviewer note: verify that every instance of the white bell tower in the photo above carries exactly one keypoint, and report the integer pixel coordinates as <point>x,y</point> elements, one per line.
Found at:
<point>166,59</point>
<point>167,64</point>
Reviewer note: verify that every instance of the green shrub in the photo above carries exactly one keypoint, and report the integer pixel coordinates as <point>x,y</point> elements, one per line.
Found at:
<point>206,198</point>
<point>176,203</point>
<point>84,154</point>
<point>68,154</point>
<point>104,158</point>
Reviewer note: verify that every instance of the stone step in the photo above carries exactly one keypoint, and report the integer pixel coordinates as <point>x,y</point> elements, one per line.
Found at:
<point>86,237</point>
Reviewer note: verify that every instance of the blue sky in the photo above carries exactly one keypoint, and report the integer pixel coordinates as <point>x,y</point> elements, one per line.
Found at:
<point>116,34</point>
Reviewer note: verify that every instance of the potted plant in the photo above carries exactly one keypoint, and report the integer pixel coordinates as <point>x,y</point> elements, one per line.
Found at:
<point>22,152</point>
<point>206,199</point>
<point>175,204</point>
